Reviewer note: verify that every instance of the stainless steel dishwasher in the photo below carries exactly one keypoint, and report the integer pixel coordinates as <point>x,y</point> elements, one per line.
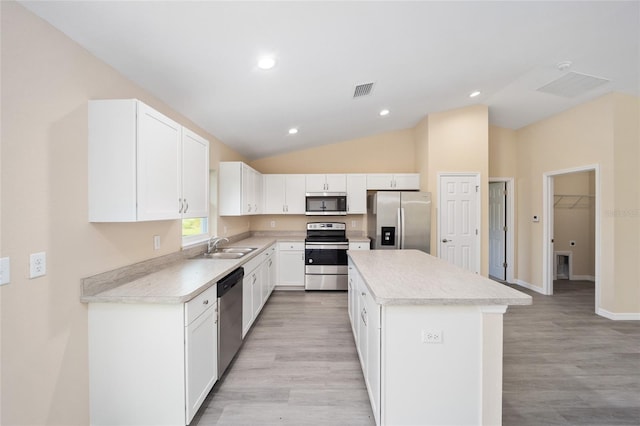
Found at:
<point>229,318</point>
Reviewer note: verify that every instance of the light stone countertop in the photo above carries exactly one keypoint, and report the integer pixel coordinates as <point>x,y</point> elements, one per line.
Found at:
<point>358,239</point>
<point>412,277</point>
<point>180,281</point>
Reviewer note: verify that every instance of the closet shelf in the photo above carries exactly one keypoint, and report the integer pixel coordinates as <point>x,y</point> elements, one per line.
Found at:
<point>572,200</point>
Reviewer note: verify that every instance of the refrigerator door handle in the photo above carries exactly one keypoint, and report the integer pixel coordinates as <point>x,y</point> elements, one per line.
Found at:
<point>402,228</point>
<point>399,229</point>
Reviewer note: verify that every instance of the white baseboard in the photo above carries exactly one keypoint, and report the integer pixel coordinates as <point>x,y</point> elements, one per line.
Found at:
<point>529,286</point>
<point>625,316</point>
<point>583,278</point>
<point>289,287</point>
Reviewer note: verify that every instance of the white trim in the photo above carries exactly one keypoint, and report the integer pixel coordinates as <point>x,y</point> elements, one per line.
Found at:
<point>510,223</point>
<point>530,286</point>
<point>476,175</point>
<point>547,223</point>
<point>583,278</point>
<point>194,240</point>
<point>625,316</point>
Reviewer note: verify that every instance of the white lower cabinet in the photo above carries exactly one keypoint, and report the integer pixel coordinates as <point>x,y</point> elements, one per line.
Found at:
<point>151,363</point>
<point>256,286</point>
<point>365,316</point>
<point>201,355</point>
<point>291,264</point>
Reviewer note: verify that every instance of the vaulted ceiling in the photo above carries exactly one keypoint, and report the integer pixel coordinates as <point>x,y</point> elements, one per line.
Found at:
<point>200,57</point>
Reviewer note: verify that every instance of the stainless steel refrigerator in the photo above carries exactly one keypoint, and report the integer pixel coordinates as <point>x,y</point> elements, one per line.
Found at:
<point>399,220</point>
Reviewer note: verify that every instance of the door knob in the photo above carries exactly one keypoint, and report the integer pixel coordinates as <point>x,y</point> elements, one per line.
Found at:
<point>444,240</point>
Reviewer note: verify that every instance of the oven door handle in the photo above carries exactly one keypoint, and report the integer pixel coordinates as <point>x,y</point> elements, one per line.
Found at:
<point>324,246</point>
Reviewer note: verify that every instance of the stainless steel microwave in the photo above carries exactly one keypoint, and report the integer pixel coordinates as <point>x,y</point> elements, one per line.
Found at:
<point>326,204</point>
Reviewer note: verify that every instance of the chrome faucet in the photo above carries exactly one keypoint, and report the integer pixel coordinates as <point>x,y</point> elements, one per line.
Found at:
<point>213,243</point>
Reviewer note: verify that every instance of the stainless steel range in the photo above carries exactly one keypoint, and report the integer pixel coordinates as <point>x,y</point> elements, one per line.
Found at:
<point>325,256</point>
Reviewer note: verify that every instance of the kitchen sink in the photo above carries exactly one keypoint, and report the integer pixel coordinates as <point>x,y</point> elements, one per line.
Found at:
<point>243,250</point>
<point>226,253</point>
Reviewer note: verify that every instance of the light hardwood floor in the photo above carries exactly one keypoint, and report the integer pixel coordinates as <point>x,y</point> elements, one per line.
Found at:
<point>563,365</point>
<point>298,365</point>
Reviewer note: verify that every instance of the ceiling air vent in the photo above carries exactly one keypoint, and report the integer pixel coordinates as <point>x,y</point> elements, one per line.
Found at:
<point>573,84</point>
<point>362,90</point>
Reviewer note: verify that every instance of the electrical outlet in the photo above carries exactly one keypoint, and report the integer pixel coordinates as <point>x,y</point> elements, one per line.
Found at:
<point>431,336</point>
<point>273,223</point>
<point>37,264</point>
<point>5,271</point>
<point>156,242</point>
<point>354,223</point>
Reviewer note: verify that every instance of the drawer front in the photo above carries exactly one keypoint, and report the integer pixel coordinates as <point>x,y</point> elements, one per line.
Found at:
<point>359,246</point>
<point>253,263</point>
<point>270,251</point>
<point>291,245</point>
<point>196,306</point>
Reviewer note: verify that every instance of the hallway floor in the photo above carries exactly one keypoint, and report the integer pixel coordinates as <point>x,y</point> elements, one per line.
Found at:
<point>565,365</point>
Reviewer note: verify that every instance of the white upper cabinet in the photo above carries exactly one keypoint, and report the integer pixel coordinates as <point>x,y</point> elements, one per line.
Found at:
<point>195,175</point>
<point>326,183</point>
<point>398,182</point>
<point>356,194</point>
<point>284,194</point>
<point>135,169</point>
<point>240,189</point>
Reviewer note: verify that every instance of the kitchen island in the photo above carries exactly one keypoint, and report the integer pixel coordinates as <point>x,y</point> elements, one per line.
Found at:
<point>429,338</point>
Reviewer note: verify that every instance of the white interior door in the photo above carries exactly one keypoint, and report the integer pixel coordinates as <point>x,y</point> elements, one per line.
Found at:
<point>458,220</point>
<point>497,233</point>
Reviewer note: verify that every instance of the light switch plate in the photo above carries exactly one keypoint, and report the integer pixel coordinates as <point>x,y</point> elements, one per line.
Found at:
<point>5,271</point>
<point>37,264</point>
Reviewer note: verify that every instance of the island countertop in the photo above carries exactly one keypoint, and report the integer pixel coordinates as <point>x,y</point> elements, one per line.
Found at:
<point>412,277</point>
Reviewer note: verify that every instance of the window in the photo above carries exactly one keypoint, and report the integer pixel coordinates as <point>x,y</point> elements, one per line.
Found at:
<point>197,229</point>
<point>194,226</point>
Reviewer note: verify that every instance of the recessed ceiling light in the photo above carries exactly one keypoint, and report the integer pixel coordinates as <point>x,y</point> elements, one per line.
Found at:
<point>293,131</point>
<point>266,62</point>
<point>384,112</point>
<point>474,94</point>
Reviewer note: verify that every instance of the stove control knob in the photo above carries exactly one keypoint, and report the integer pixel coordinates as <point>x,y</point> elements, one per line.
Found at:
<point>310,260</point>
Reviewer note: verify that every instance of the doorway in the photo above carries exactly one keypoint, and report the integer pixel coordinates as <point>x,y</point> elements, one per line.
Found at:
<point>459,219</point>
<point>558,240</point>
<point>501,229</point>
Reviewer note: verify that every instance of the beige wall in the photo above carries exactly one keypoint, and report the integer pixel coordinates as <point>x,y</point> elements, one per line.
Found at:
<point>574,219</point>
<point>385,153</point>
<point>46,83</point>
<point>457,141</point>
<point>602,132</point>
<point>502,152</point>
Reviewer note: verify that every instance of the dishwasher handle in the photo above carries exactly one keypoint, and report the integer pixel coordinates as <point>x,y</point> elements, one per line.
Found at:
<point>228,282</point>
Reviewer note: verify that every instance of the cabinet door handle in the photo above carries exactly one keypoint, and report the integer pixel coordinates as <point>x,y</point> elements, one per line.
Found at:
<point>205,302</point>
<point>444,240</point>
<point>180,205</point>
<point>186,205</point>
